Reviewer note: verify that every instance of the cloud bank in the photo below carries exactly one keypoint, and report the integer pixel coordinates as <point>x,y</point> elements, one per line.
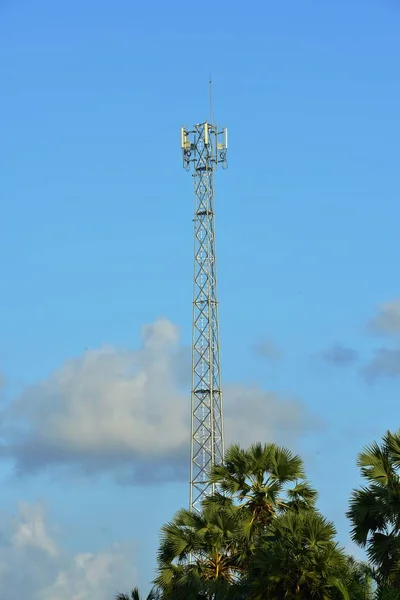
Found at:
<point>385,363</point>
<point>387,321</point>
<point>266,348</point>
<point>127,412</point>
<point>33,565</point>
<point>339,355</point>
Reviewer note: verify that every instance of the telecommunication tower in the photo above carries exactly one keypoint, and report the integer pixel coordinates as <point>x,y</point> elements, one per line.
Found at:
<point>204,149</point>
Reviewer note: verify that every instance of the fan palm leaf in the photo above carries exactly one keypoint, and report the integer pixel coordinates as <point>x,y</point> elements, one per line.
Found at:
<point>374,509</point>
<point>299,559</point>
<point>135,595</point>
<point>258,481</point>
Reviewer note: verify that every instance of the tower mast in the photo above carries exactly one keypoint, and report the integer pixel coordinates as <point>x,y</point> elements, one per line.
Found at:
<point>203,149</point>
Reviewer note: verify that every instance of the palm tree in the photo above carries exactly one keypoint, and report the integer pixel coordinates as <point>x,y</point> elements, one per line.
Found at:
<point>375,508</point>
<point>207,555</point>
<point>200,554</point>
<point>262,481</point>
<point>358,578</point>
<point>388,593</point>
<point>298,559</point>
<point>134,595</point>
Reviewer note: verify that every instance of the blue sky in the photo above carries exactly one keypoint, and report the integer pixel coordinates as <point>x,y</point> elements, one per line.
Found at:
<point>96,244</point>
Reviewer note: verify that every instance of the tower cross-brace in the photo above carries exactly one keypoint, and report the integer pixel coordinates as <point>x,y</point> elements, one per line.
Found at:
<point>204,148</point>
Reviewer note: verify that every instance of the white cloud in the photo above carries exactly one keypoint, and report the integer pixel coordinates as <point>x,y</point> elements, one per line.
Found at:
<point>387,321</point>
<point>253,415</point>
<point>32,564</point>
<point>126,411</point>
<point>108,408</point>
<point>30,530</point>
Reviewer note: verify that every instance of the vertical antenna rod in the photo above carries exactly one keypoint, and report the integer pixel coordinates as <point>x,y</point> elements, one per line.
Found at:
<point>211,112</point>
<point>204,148</point>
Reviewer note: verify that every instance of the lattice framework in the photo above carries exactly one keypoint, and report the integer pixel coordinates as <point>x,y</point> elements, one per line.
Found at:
<point>204,148</point>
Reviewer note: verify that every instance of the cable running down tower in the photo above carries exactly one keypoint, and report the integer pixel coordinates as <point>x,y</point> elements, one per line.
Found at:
<point>204,148</point>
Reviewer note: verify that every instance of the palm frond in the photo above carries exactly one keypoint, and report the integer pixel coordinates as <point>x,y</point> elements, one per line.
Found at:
<point>366,515</point>
<point>340,586</point>
<point>392,442</point>
<point>285,465</point>
<point>134,595</point>
<point>374,510</point>
<point>302,496</point>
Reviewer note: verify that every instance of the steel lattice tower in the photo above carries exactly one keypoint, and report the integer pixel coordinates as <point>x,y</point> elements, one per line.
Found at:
<point>204,148</point>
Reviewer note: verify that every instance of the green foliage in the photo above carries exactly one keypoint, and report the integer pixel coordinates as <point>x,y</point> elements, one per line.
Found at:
<point>297,558</point>
<point>375,508</point>
<point>200,554</point>
<point>135,595</point>
<point>388,593</point>
<point>258,478</point>
<point>262,538</point>
<point>261,534</point>
<point>261,482</point>
<point>358,579</point>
